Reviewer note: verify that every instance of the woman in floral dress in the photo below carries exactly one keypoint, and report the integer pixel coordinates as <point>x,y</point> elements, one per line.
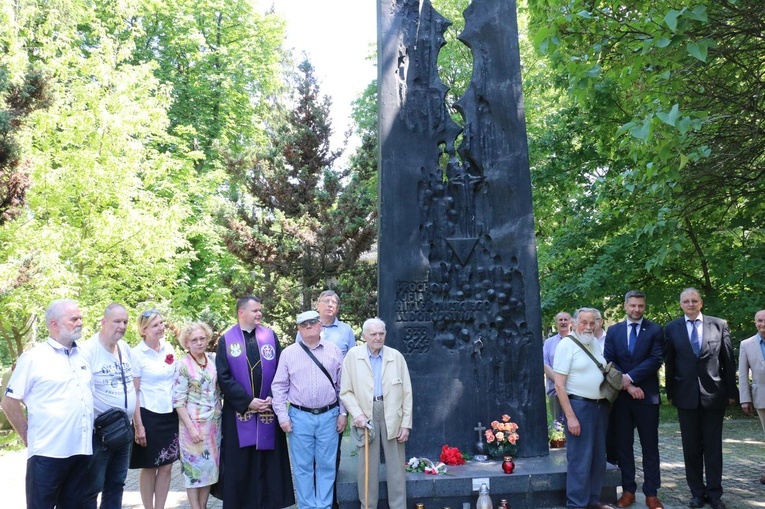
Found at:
<point>197,401</point>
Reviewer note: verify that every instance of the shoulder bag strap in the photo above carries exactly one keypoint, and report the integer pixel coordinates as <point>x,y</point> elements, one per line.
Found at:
<point>589,353</point>
<point>122,371</point>
<point>318,363</point>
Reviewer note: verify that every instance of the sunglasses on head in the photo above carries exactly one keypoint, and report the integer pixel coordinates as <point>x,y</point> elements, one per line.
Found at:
<point>147,314</point>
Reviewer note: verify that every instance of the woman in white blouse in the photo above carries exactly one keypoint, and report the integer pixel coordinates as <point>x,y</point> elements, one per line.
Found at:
<point>155,419</point>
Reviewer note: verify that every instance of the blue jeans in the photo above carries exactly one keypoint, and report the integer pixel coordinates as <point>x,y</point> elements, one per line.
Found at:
<point>313,449</point>
<point>106,475</point>
<point>58,482</point>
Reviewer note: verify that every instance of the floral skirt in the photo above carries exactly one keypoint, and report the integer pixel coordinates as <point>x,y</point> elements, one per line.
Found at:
<point>161,440</point>
<point>200,461</point>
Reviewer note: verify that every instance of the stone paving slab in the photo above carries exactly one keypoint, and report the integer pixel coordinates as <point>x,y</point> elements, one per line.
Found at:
<point>743,450</point>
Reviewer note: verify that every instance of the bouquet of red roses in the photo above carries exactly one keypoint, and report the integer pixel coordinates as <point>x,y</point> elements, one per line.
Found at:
<point>451,456</point>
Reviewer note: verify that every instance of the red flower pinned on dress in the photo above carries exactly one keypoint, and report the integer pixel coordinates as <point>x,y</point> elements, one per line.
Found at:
<point>169,359</point>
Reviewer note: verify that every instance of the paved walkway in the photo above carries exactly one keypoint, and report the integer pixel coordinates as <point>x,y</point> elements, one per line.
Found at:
<point>743,449</point>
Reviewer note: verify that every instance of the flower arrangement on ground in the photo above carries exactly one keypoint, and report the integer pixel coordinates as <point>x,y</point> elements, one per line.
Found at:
<point>452,456</point>
<point>557,433</point>
<point>502,438</point>
<point>556,430</point>
<point>424,465</point>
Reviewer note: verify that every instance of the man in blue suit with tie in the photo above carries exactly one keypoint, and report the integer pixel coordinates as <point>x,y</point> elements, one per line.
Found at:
<point>636,347</point>
<point>701,382</point>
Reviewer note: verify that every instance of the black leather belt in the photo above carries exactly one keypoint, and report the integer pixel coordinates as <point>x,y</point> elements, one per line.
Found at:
<point>315,411</point>
<point>581,398</point>
<point>377,398</point>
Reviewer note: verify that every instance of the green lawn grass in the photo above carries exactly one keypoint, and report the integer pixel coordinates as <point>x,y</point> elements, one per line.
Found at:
<point>668,413</point>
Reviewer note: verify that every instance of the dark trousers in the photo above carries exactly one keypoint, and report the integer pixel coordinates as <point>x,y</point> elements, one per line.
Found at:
<point>58,482</point>
<point>586,454</point>
<point>701,431</point>
<point>628,414</point>
<point>106,475</point>
<point>611,455</point>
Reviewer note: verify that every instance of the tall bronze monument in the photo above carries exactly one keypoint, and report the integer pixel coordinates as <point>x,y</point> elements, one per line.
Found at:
<point>458,283</point>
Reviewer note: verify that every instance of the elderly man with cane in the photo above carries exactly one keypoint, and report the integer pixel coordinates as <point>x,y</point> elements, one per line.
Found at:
<point>376,390</point>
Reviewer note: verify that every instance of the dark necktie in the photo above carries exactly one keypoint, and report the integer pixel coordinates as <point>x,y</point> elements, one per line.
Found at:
<point>633,337</point>
<point>695,337</point>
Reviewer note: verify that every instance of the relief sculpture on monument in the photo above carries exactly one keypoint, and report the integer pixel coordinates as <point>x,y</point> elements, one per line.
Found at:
<point>458,271</point>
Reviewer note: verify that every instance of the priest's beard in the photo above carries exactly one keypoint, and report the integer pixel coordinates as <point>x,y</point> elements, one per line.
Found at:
<point>586,337</point>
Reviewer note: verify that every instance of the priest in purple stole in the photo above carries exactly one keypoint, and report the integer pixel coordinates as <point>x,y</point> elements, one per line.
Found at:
<point>255,467</point>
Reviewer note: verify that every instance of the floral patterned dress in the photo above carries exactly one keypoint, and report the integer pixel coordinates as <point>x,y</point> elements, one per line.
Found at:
<point>196,389</point>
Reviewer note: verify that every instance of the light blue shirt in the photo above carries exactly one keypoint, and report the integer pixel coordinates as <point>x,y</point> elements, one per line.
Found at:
<point>699,328</point>
<point>339,333</point>
<point>762,345</point>
<point>629,329</point>
<point>376,362</point>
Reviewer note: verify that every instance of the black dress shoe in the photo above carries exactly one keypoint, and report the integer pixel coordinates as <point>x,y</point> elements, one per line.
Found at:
<point>696,502</point>
<point>716,503</point>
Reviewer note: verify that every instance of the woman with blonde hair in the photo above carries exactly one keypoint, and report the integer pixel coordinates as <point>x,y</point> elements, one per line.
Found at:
<point>155,419</point>
<point>196,398</point>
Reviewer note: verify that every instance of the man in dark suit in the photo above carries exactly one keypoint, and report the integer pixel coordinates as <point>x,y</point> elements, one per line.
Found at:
<point>701,382</point>
<point>636,347</point>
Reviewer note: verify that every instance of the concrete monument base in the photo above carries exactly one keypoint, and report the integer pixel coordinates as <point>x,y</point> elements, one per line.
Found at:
<point>536,482</point>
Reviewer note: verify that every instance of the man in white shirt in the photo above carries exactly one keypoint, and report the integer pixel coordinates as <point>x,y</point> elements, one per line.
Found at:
<point>113,387</point>
<point>577,382</point>
<point>53,381</point>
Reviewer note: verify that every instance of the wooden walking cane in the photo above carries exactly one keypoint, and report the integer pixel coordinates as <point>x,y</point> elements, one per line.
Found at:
<point>366,467</point>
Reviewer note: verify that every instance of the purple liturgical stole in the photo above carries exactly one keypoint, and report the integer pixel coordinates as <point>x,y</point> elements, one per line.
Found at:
<point>253,428</point>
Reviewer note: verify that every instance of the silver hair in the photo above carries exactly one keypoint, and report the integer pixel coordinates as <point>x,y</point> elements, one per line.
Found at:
<point>55,310</point>
<point>690,289</point>
<point>369,322</point>
<point>586,310</point>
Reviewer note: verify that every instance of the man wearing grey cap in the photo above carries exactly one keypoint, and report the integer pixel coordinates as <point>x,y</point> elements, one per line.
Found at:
<point>308,377</point>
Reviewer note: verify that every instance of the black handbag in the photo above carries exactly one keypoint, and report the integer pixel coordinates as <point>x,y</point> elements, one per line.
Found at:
<point>113,427</point>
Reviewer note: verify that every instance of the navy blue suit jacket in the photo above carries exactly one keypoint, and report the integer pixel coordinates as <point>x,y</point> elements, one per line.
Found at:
<point>642,365</point>
<point>710,379</point>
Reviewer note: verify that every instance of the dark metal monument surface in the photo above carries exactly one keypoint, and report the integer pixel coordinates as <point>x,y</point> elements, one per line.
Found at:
<point>458,281</point>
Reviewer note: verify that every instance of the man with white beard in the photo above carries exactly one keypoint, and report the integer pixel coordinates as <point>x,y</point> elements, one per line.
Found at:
<point>577,383</point>
<point>53,381</point>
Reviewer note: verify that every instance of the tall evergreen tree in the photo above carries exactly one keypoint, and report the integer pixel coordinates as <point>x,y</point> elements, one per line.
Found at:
<point>299,218</point>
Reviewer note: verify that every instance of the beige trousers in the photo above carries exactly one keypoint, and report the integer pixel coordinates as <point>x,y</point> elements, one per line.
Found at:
<point>395,458</point>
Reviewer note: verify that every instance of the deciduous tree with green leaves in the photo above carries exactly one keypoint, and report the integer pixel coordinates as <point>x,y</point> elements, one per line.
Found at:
<point>662,150</point>
<point>105,208</point>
